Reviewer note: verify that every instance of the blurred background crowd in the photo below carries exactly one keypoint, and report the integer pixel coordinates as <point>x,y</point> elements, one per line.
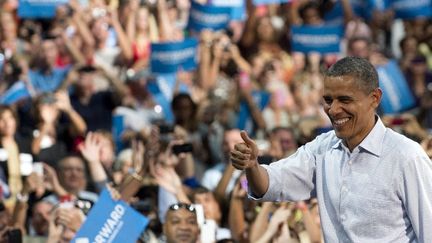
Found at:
<point>87,68</point>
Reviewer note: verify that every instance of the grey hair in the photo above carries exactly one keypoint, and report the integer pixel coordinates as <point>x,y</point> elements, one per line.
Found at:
<point>359,68</point>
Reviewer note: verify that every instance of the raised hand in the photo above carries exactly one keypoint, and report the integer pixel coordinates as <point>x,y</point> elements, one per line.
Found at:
<point>51,181</point>
<point>70,217</point>
<point>90,149</point>
<point>245,154</point>
<point>34,183</point>
<point>63,101</point>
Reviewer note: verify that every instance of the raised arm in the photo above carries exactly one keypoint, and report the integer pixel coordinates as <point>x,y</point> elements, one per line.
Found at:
<point>125,45</point>
<point>347,10</point>
<point>244,157</point>
<point>165,27</point>
<point>78,125</point>
<point>90,150</point>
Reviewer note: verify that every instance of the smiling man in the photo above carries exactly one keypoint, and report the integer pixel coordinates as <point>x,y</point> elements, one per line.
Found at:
<point>372,184</point>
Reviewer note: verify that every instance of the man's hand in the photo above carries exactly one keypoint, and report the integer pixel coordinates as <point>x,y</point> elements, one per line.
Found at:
<point>245,154</point>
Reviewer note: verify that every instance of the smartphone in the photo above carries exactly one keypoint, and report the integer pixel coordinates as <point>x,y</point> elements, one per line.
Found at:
<point>200,214</point>
<point>26,164</point>
<point>182,148</point>
<point>208,231</point>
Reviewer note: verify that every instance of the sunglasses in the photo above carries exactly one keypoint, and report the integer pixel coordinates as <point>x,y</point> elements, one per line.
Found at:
<point>177,206</point>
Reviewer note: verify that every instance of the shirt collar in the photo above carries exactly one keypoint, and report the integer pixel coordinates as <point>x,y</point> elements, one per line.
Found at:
<point>373,141</point>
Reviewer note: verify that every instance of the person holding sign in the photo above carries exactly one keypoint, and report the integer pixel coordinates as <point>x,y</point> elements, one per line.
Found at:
<point>372,184</point>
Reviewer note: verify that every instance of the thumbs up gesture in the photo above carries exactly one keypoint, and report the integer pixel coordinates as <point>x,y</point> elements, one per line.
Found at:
<point>245,154</point>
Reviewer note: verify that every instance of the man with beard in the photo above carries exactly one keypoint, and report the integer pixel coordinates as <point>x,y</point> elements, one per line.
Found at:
<point>372,184</point>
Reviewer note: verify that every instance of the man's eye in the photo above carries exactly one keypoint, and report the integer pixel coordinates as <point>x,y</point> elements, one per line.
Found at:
<point>328,101</point>
<point>345,101</point>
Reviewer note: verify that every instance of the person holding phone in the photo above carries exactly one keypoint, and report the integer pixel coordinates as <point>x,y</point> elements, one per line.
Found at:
<point>372,184</point>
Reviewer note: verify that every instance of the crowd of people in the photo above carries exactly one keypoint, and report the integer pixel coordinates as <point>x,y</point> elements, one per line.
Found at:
<point>90,65</point>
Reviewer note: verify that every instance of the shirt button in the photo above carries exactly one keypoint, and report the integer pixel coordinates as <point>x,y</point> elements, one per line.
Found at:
<point>344,189</point>
<point>350,162</point>
<point>343,217</point>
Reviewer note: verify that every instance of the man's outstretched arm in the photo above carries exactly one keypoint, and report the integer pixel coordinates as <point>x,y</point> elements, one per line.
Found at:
<point>244,157</point>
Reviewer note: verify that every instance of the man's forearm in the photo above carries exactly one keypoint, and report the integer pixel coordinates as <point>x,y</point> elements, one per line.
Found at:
<point>258,180</point>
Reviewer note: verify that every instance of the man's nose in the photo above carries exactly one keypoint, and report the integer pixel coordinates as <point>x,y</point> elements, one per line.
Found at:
<point>335,108</point>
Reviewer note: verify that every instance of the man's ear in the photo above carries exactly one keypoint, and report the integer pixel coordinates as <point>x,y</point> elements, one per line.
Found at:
<point>376,95</point>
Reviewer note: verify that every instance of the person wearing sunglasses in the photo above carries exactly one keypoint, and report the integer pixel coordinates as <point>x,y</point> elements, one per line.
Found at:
<point>181,224</point>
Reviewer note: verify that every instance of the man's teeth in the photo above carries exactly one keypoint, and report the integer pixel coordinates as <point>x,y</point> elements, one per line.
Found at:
<point>341,121</point>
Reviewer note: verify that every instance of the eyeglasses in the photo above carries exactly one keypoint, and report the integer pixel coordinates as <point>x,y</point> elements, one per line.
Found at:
<point>177,206</point>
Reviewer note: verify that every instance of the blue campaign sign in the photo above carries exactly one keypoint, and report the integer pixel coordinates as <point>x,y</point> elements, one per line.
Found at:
<point>117,130</point>
<point>38,9</point>
<point>245,121</point>
<point>335,15</point>
<point>267,2</point>
<point>111,221</point>
<point>208,17</point>
<point>169,57</point>
<point>17,92</point>
<point>411,9</point>
<point>157,89</point>
<point>238,8</point>
<point>379,5</point>
<point>322,39</point>
<point>397,96</point>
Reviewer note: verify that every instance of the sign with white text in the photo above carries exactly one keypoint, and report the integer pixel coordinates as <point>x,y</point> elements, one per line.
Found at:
<point>39,9</point>
<point>323,39</point>
<point>111,221</point>
<point>168,57</point>
<point>397,96</point>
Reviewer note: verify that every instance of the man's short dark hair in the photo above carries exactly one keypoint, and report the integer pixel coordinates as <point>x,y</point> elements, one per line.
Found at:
<point>361,69</point>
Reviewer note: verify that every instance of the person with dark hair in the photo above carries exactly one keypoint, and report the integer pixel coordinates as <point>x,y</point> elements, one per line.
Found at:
<point>185,111</point>
<point>96,106</point>
<point>372,184</point>
<point>212,227</point>
<point>181,224</point>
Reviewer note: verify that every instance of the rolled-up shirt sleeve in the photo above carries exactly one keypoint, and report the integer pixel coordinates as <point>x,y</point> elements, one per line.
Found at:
<point>292,178</point>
